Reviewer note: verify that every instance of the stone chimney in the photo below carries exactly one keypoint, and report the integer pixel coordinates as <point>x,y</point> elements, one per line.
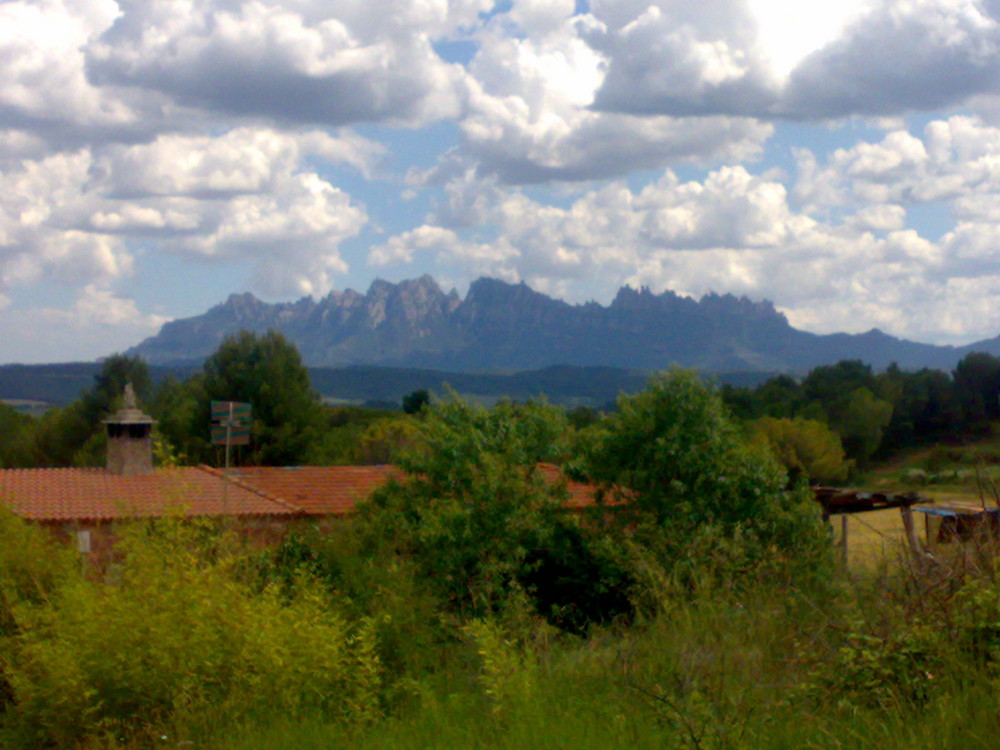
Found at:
<point>130,441</point>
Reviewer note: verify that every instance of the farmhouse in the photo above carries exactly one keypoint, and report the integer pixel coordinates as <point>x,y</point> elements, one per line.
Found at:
<point>264,502</point>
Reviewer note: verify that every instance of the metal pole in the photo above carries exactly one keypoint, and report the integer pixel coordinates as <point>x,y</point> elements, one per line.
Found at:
<point>225,472</point>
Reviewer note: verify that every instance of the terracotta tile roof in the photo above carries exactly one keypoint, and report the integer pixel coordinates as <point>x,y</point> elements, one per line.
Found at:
<point>317,490</point>
<point>97,494</point>
<point>580,495</point>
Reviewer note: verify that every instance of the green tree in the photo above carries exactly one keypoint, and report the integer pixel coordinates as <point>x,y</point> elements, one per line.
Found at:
<point>861,419</point>
<point>831,384</point>
<point>977,386</point>
<point>105,395</point>
<point>804,447</point>
<point>266,371</point>
<point>482,523</point>
<point>926,411</point>
<point>680,466</point>
<point>16,436</point>
<point>384,439</point>
<point>414,402</point>
<point>179,420</point>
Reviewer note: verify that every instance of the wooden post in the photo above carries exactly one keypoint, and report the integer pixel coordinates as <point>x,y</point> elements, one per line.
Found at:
<point>911,532</point>
<point>843,539</point>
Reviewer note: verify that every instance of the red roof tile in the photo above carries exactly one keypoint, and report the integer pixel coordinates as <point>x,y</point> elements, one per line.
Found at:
<point>580,495</point>
<point>318,490</point>
<point>98,494</point>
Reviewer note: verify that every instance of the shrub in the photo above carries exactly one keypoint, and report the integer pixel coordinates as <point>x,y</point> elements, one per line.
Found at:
<point>478,520</point>
<point>804,447</point>
<point>679,465</point>
<point>180,634</point>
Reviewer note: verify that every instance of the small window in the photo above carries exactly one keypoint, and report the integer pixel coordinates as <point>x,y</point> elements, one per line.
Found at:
<point>83,542</point>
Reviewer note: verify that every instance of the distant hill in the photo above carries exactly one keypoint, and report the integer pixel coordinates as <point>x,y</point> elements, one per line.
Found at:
<point>58,384</point>
<point>509,327</point>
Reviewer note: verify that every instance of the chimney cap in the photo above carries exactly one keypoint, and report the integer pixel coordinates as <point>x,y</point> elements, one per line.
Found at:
<point>130,413</point>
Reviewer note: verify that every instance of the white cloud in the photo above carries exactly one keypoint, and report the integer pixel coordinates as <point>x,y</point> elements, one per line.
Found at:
<point>496,259</point>
<point>241,161</point>
<point>528,117</point>
<point>41,207</point>
<point>245,196</point>
<point>43,74</point>
<point>881,217</point>
<point>779,58</point>
<point>958,158</point>
<point>99,321</point>
<point>731,232</point>
<point>291,236</point>
<point>329,62</point>
<point>900,56</point>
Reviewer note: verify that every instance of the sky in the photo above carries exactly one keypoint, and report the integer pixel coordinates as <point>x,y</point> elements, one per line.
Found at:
<point>839,159</point>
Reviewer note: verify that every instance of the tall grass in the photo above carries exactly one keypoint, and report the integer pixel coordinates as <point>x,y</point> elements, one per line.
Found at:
<point>193,642</point>
<point>179,635</point>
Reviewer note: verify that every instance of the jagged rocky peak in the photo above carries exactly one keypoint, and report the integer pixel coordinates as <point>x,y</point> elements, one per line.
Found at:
<point>485,291</point>
<point>244,301</point>
<point>412,300</point>
<point>346,298</point>
<point>629,298</point>
<point>511,326</point>
<point>729,304</point>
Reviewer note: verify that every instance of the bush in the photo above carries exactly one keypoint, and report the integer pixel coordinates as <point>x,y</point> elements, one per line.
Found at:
<point>804,447</point>
<point>180,634</point>
<point>679,466</point>
<point>479,521</point>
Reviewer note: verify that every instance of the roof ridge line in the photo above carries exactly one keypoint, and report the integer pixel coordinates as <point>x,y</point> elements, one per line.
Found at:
<point>250,488</point>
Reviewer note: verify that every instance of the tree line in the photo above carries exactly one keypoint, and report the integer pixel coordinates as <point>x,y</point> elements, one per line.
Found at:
<point>871,415</point>
<point>825,426</point>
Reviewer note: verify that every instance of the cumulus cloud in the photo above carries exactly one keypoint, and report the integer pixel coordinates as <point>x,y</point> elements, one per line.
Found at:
<point>243,160</point>
<point>680,58</point>
<point>737,232</point>
<point>43,76</point>
<point>246,196</point>
<point>957,159</point>
<point>770,58</point>
<point>291,235</point>
<point>529,119</point>
<point>330,62</point>
<point>41,210</point>
<point>903,55</point>
<point>496,259</point>
<point>99,320</point>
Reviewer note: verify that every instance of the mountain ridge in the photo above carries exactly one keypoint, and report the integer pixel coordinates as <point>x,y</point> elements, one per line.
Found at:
<point>500,326</point>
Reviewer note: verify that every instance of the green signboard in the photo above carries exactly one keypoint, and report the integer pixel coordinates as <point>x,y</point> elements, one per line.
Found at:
<point>230,410</point>
<point>231,423</point>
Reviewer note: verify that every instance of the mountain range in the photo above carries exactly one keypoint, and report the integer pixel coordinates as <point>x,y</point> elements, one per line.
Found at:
<point>510,327</point>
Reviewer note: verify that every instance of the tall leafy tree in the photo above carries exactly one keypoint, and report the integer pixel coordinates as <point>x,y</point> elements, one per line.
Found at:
<point>109,384</point>
<point>804,447</point>
<point>266,371</point>
<point>680,466</point>
<point>861,418</point>
<point>977,385</point>
<point>925,411</point>
<point>481,523</point>
<point>15,437</point>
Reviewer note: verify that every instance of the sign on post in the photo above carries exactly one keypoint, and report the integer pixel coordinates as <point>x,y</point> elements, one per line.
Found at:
<point>230,423</point>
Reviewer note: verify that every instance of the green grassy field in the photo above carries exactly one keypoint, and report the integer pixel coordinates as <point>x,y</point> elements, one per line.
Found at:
<point>942,475</point>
